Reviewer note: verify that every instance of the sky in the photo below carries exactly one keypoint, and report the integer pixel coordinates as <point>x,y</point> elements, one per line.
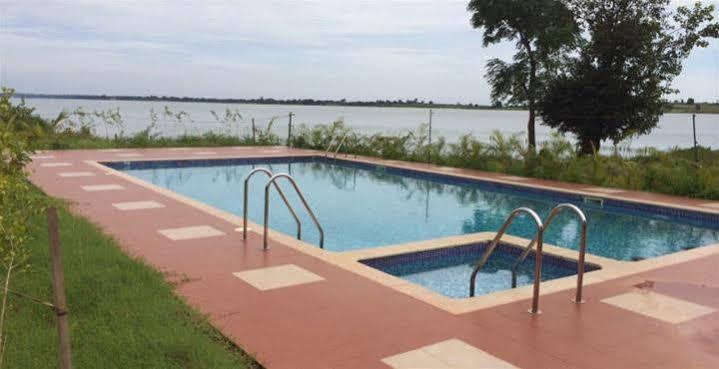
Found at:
<point>325,49</point>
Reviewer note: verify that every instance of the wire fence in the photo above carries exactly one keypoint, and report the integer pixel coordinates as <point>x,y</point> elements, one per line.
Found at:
<point>673,130</point>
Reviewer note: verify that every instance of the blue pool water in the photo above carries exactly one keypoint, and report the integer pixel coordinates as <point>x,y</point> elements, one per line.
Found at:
<point>363,206</point>
<point>448,270</point>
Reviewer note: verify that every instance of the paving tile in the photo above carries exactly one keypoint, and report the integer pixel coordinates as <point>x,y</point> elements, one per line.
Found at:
<point>111,150</point>
<point>513,178</point>
<point>416,359</point>
<point>205,153</point>
<point>450,354</point>
<point>128,155</point>
<point>137,205</point>
<point>277,277</point>
<point>104,187</point>
<point>189,233</point>
<point>713,205</point>
<point>42,157</point>
<point>55,165</point>
<point>179,148</point>
<point>76,174</point>
<point>603,190</point>
<point>659,306</point>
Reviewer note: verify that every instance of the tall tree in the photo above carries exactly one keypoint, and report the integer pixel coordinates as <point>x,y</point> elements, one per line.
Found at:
<point>615,85</point>
<point>540,30</point>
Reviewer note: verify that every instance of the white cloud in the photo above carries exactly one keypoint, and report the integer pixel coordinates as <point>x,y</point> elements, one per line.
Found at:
<point>321,49</point>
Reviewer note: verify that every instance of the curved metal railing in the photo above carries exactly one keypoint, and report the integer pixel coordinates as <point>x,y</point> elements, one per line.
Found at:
<point>304,202</point>
<point>538,259</point>
<point>338,146</point>
<point>582,247</point>
<point>282,195</point>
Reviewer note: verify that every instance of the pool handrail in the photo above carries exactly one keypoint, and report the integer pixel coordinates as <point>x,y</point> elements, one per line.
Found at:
<point>282,195</point>
<point>273,179</point>
<point>582,247</point>
<point>332,143</point>
<point>537,260</point>
<point>344,138</point>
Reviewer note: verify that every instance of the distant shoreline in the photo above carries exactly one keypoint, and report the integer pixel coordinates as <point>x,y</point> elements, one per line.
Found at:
<point>271,101</point>
<point>677,108</point>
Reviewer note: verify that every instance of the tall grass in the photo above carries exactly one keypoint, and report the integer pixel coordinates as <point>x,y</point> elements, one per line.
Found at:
<point>671,172</point>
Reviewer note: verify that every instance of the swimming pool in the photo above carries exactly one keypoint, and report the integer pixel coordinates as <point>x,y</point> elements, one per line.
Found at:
<point>448,270</point>
<point>364,205</point>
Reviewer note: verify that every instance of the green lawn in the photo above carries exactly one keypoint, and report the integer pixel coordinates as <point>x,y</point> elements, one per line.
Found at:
<point>122,313</point>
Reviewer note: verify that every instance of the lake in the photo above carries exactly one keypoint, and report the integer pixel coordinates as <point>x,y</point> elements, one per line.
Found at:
<point>673,129</point>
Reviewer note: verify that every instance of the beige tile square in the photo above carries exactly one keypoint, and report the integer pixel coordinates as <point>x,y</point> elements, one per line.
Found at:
<point>450,354</point>
<point>277,277</point>
<point>512,178</point>
<point>604,190</point>
<point>137,205</point>
<point>76,174</point>
<point>179,148</point>
<point>661,307</point>
<point>128,155</point>
<point>55,165</point>
<point>111,150</point>
<point>205,153</point>
<point>713,205</point>
<point>417,359</point>
<point>42,157</point>
<point>189,233</point>
<point>105,187</point>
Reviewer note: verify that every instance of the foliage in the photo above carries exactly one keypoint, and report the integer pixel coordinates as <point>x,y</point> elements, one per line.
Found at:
<point>542,29</point>
<point>18,129</point>
<point>672,172</point>
<point>614,87</point>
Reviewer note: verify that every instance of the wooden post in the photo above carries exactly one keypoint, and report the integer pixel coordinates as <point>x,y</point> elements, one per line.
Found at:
<point>429,151</point>
<point>58,287</point>
<point>289,130</point>
<point>253,131</point>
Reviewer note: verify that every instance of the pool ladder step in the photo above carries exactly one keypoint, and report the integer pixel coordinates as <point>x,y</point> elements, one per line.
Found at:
<point>538,240</point>
<point>270,183</point>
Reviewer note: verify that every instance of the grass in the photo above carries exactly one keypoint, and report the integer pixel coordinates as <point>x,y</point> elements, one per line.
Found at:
<point>122,312</point>
<point>86,140</point>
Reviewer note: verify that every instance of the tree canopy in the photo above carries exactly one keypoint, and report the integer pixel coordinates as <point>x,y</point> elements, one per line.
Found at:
<point>540,30</point>
<point>615,84</point>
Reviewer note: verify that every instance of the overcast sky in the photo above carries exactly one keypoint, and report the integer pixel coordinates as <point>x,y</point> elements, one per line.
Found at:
<point>359,50</point>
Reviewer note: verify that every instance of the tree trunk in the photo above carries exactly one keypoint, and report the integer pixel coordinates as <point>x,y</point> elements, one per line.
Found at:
<point>531,137</point>
<point>531,96</point>
<point>589,145</point>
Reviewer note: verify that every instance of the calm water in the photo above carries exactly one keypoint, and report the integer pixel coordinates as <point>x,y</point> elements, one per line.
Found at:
<point>449,272</point>
<point>362,208</point>
<point>674,129</point>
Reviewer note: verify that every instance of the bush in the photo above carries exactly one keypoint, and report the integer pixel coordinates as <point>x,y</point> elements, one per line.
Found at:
<point>672,172</point>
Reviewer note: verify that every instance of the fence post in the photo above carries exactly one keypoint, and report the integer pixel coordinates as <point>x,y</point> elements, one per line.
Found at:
<point>289,130</point>
<point>58,287</point>
<point>694,129</point>
<point>429,151</point>
<point>253,131</point>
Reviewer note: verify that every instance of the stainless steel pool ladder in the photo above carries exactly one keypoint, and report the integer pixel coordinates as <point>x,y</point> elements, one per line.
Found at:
<point>282,195</point>
<point>582,247</point>
<point>338,147</point>
<point>538,259</point>
<point>272,181</point>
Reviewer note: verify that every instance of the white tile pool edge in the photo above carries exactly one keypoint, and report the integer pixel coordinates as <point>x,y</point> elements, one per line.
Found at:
<point>611,269</point>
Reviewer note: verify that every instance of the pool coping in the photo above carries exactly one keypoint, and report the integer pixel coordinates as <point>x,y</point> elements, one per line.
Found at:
<point>350,260</point>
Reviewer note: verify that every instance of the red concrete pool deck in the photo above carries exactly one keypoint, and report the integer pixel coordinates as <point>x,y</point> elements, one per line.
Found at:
<point>345,320</point>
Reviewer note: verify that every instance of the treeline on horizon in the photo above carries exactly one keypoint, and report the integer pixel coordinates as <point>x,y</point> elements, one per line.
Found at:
<point>410,103</point>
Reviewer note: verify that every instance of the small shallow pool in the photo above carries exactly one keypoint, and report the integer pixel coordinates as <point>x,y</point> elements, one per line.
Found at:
<point>448,270</point>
